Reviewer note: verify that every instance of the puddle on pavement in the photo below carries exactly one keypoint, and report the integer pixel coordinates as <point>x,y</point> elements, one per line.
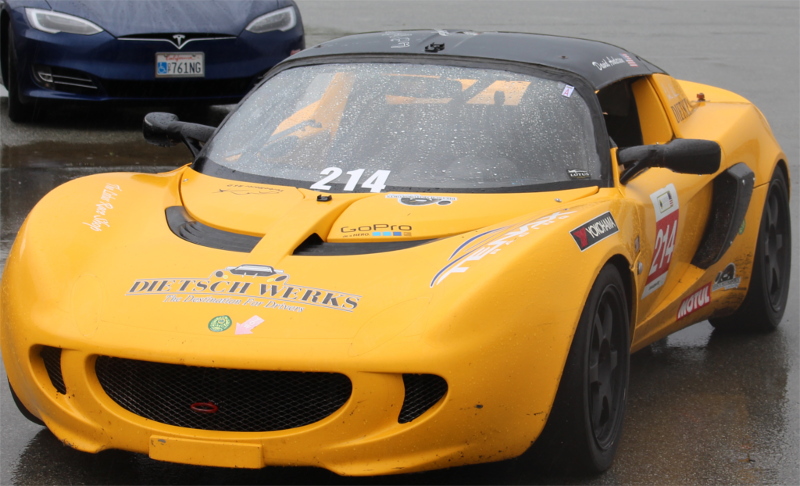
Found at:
<point>54,155</point>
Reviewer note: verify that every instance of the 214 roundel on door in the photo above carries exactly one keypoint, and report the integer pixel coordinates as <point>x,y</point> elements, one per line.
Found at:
<point>665,204</point>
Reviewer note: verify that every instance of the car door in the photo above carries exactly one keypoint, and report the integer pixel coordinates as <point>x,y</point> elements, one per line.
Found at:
<point>673,208</point>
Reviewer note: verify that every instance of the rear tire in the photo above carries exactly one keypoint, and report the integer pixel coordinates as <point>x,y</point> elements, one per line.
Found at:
<point>585,424</point>
<point>765,303</point>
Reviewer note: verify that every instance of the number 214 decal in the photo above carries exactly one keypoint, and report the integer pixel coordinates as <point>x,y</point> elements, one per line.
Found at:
<point>375,183</point>
<point>665,204</point>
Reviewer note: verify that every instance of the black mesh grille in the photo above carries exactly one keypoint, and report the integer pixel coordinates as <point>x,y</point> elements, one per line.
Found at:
<point>422,392</point>
<point>222,399</point>
<point>52,363</point>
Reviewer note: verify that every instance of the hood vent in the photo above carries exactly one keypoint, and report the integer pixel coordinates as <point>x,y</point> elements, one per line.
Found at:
<point>314,246</point>
<point>204,235</point>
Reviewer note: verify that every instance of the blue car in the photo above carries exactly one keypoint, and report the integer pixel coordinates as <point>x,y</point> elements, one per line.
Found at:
<point>150,51</point>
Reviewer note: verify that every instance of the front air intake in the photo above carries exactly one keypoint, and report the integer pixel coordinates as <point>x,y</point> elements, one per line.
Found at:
<point>219,398</point>
<point>52,363</point>
<point>422,393</point>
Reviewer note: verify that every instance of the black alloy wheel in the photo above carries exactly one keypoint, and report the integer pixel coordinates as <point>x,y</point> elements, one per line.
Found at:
<point>585,424</point>
<point>768,291</point>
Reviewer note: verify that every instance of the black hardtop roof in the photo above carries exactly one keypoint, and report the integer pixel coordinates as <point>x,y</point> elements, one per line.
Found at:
<point>598,62</point>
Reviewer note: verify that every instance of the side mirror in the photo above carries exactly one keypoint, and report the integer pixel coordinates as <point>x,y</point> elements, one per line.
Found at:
<point>164,130</point>
<point>685,156</point>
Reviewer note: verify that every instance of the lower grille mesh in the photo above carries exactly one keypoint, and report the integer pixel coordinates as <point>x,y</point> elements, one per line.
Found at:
<point>52,363</point>
<point>222,399</point>
<point>422,392</point>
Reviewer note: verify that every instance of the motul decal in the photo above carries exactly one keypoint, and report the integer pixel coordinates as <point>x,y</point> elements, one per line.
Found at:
<point>595,230</point>
<point>697,300</point>
<point>665,205</point>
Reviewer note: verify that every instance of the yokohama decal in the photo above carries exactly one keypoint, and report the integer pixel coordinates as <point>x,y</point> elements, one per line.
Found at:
<point>697,300</point>
<point>595,230</point>
<point>665,204</point>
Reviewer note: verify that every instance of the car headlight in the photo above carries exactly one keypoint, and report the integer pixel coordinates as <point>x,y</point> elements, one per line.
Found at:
<point>55,22</point>
<point>283,20</point>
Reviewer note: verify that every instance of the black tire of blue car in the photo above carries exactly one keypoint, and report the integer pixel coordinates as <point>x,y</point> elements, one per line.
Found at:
<point>585,424</point>
<point>768,292</point>
<point>22,408</point>
<point>18,111</point>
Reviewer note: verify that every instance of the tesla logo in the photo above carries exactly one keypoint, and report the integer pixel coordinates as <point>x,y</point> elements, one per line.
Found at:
<point>179,40</point>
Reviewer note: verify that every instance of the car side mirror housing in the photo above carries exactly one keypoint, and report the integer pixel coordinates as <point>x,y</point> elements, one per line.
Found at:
<point>685,156</point>
<point>164,130</point>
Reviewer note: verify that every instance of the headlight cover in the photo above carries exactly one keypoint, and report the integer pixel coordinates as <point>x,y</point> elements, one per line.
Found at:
<point>283,20</point>
<point>55,22</point>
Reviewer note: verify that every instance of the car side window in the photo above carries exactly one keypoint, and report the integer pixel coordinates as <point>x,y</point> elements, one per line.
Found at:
<point>620,113</point>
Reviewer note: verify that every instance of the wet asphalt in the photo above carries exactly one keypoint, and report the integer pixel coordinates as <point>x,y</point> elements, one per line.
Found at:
<point>704,407</point>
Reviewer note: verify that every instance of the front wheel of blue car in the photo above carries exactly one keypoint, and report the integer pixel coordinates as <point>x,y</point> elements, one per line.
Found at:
<point>585,424</point>
<point>18,111</point>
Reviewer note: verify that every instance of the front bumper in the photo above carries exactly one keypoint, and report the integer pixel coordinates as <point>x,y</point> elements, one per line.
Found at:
<point>474,422</point>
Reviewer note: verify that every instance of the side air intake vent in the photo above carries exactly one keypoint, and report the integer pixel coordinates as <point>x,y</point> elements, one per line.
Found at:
<point>422,392</point>
<point>52,363</point>
<point>204,235</point>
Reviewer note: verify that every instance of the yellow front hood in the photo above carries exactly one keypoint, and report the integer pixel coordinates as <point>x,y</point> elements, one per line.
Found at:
<point>100,255</point>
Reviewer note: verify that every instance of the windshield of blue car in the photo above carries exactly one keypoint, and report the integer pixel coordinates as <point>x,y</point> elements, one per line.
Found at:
<point>376,127</point>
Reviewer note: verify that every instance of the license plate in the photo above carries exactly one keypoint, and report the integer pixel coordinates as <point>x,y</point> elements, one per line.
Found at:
<point>180,65</point>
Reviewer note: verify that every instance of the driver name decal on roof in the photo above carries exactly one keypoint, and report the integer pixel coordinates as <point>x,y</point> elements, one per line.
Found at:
<point>665,204</point>
<point>608,62</point>
<point>248,285</point>
<point>485,244</point>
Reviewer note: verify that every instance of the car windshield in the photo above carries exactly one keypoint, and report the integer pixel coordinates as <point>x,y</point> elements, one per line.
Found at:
<point>375,127</point>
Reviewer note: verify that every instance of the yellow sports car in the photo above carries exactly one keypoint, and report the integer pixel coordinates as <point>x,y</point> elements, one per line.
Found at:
<point>402,251</point>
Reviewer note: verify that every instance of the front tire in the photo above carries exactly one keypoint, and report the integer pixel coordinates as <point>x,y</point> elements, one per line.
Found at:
<point>18,111</point>
<point>25,412</point>
<point>768,292</point>
<point>585,425</point>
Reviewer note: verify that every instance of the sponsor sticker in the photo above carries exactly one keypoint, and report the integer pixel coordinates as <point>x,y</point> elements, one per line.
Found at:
<point>488,243</point>
<point>219,323</point>
<point>593,231</point>
<point>246,190</point>
<point>420,200</point>
<point>665,205</point>
<point>244,285</point>
<point>628,59</point>
<point>103,205</point>
<point>378,229</point>
<point>247,326</point>
<point>697,300</point>
<point>578,174</point>
<point>726,279</point>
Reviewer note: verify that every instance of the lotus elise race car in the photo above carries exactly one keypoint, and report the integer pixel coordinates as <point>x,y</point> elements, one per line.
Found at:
<point>402,251</point>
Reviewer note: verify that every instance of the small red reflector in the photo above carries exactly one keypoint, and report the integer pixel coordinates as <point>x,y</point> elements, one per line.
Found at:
<point>204,407</point>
